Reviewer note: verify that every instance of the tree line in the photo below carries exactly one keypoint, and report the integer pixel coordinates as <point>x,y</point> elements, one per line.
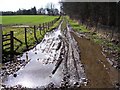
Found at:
<point>93,13</point>
<point>49,10</point>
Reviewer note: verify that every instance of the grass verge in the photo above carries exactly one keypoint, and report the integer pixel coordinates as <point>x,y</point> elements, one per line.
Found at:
<point>94,36</point>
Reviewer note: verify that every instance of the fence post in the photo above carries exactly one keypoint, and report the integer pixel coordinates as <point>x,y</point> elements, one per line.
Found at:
<point>48,25</point>
<point>44,27</point>
<point>26,38</point>
<point>35,34</point>
<point>40,29</point>
<point>11,45</point>
<point>52,23</point>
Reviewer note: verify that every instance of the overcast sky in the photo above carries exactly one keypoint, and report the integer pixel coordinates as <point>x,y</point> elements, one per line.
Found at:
<point>14,5</point>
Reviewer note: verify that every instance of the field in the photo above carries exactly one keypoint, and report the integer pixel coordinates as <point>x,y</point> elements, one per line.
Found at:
<point>19,32</point>
<point>26,19</point>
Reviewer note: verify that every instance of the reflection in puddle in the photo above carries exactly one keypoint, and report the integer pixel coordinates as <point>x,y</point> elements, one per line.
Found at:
<point>42,58</point>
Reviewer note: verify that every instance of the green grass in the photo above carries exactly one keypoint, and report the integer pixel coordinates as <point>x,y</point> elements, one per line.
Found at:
<point>93,35</point>
<point>19,33</point>
<point>76,26</point>
<point>56,24</point>
<point>64,24</point>
<point>26,19</point>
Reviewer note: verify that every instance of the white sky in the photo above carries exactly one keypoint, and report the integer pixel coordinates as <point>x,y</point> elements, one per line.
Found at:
<point>14,5</point>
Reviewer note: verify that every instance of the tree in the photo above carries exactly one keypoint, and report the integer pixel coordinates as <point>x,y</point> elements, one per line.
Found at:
<point>41,11</point>
<point>50,8</point>
<point>33,11</point>
<point>56,12</point>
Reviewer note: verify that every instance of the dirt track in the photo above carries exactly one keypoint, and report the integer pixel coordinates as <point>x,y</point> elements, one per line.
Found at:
<point>99,72</point>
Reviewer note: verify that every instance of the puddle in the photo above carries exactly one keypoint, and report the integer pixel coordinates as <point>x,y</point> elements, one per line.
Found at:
<point>42,61</point>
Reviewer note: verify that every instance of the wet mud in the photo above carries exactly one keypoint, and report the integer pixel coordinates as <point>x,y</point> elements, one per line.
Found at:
<point>99,71</point>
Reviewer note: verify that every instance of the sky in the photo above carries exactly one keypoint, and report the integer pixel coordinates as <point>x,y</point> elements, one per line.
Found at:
<point>14,5</point>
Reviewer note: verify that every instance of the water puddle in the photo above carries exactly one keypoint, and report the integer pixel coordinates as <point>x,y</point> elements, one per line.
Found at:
<point>42,61</point>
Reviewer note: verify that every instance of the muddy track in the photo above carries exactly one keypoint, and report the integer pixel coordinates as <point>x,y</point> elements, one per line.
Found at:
<point>54,63</point>
<point>98,70</point>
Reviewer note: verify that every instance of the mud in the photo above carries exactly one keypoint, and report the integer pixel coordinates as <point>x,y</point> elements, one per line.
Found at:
<point>98,70</point>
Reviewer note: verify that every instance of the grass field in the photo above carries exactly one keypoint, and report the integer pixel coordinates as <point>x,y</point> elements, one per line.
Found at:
<point>26,19</point>
<point>19,32</point>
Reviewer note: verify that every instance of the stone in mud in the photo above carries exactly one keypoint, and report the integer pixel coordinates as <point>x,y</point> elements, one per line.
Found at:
<point>38,59</point>
<point>76,83</point>
<point>18,68</point>
<point>53,45</point>
<point>68,75</point>
<point>62,84</point>
<point>115,41</point>
<point>84,80</point>
<point>58,47</point>
<point>118,67</point>
<point>23,60</point>
<point>60,37</point>
<point>15,75</point>
<point>118,53</point>
<point>3,68</point>
<point>4,86</point>
<point>51,85</point>
<point>117,85</point>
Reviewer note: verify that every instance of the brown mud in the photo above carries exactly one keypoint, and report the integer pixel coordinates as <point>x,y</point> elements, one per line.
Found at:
<point>99,72</point>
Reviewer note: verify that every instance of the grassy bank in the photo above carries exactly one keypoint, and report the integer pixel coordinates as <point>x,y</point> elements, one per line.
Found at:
<point>94,36</point>
<point>26,19</point>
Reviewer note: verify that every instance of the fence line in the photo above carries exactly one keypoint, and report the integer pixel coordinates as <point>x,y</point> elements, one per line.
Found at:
<point>10,46</point>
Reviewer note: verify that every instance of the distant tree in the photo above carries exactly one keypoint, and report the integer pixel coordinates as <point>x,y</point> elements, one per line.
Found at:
<point>50,8</point>
<point>41,11</point>
<point>56,12</point>
<point>19,12</point>
<point>8,13</point>
<point>33,11</point>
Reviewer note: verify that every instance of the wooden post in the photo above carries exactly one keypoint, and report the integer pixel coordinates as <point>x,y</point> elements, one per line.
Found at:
<point>40,29</point>
<point>52,23</point>
<point>44,27</point>
<point>48,25</point>
<point>11,45</point>
<point>26,38</point>
<point>35,34</point>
